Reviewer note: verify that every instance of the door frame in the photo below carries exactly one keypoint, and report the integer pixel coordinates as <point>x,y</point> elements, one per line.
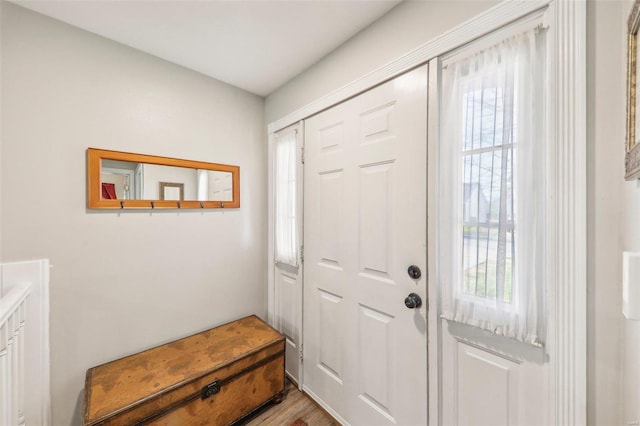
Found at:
<point>567,283</point>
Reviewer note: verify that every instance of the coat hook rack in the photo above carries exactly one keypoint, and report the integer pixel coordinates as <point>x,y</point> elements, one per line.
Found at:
<point>167,192</point>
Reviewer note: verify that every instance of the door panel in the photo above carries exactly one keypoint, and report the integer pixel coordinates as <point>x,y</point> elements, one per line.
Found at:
<point>288,289</point>
<point>375,211</point>
<point>365,223</point>
<point>491,380</point>
<point>482,388</point>
<point>377,369</point>
<point>330,212</point>
<point>329,345</point>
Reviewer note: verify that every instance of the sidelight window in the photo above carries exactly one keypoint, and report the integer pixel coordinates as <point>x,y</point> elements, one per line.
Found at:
<point>285,188</point>
<point>492,185</point>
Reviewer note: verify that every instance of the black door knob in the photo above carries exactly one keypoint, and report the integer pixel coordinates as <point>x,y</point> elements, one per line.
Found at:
<point>414,272</point>
<point>413,301</point>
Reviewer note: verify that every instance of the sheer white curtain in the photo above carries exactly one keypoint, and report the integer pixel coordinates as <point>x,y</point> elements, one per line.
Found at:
<point>491,188</point>
<point>285,188</point>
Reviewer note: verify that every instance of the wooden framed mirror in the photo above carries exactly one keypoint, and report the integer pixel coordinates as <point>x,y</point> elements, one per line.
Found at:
<point>123,180</point>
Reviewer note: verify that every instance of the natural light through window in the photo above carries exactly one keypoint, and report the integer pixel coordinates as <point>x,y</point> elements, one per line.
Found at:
<point>491,185</point>
<point>285,194</point>
<point>487,166</point>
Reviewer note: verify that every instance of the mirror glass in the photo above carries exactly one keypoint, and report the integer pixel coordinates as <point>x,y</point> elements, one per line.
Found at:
<point>124,180</point>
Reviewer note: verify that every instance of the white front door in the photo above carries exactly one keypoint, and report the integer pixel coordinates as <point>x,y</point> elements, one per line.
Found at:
<point>365,352</point>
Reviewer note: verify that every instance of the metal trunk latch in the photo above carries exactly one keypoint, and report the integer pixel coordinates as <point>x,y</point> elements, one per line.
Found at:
<point>211,389</point>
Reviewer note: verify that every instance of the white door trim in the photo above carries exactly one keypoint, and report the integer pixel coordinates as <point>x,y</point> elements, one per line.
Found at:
<point>434,371</point>
<point>567,215</point>
<point>271,255</point>
<point>566,233</point>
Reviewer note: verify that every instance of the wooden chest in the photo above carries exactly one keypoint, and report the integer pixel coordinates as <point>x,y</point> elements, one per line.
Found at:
<point>214,377</point>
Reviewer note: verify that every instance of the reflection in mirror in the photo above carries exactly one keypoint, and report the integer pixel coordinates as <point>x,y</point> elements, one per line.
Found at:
<point>171,191</point>
<point>130,177</point>
<point>124,180</point>
<point>215,186</point>
<point>118,180</point>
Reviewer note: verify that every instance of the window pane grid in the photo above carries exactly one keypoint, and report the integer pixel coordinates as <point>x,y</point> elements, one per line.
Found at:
<point>488,249</point>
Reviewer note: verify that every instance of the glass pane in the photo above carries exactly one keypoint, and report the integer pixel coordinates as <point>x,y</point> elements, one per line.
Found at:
<point>468,259</point>
<point>468,100</point>
<point>485,261</point>
<point>125,180</point>
<point>220,186</point>
<point>482,116</point>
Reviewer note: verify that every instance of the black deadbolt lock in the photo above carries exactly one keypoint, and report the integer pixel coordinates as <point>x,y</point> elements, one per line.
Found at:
<point>414,272</point>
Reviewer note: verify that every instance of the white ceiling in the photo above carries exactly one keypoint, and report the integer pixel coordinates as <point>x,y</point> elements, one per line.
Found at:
<point>256,45</point>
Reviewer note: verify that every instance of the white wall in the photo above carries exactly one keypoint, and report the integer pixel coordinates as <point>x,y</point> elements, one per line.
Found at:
<point>614,209</point>
<point>123,281</point>
<point>630,329</point>
<point>605,153</point>
<point>413,23</point>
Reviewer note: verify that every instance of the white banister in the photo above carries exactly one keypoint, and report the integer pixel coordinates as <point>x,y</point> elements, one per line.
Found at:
<point>12,316</point>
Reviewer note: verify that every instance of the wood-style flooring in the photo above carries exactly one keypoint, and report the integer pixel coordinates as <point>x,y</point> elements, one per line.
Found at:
<point>295,405</point>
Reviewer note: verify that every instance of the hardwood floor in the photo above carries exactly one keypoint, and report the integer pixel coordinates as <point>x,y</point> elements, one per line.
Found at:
<point>295,405</point>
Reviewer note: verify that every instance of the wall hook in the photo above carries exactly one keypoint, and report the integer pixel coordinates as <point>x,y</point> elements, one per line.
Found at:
<point>202,204</point>
<point>222,204</point>
<point>153,205</point>
<point>179,206</point>
<point>122,204</point>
